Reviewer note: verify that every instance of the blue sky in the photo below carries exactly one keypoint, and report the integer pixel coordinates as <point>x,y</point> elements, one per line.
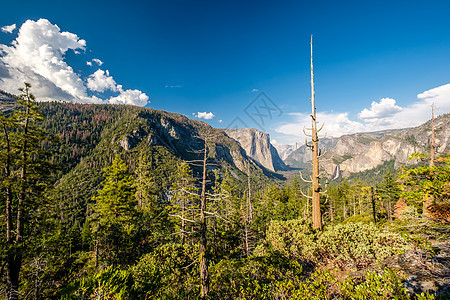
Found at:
<point>378,65</point>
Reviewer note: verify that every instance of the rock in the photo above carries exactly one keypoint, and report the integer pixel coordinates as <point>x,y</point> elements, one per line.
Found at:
<point>257,146</point>
<point>365,151</point>
<point>424,274</point>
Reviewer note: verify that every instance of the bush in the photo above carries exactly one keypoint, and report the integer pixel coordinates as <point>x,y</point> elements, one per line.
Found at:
<point>357,245</point>
<point>251,278</point>
<point>294,238</point>
<point>351,245</point>
<point>110,283</point>
<point>169,272</point>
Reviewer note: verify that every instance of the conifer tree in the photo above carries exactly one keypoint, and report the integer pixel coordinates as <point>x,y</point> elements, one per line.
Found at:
<point>25,171</point>
<point>114,210</point>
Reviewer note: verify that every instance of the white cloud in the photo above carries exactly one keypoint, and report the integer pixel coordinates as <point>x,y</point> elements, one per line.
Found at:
<point>37,56</point>
<point>89,63</point>
<point>380,112</point>
<point>132,97</point>
<point>97,61</point>
<point>220,121</point>
<point>205,115</point>
<point>255,90</point>
<point>336,124</point>
<point>38,53</point>
<point>101,81</point>
<point>9,28</point>
<point>382,115</point>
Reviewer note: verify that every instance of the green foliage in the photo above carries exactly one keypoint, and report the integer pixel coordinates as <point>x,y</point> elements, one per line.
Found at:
<point>111,283</point>
<point>251,278</point>
<point>421,183</point>
<point>169,272</point>
<point>293,239</point>
<point>361,218</point>
<point>341,159</point>
<point>350,245</point>
<point>386,284</point>
<point>115,202</point>
<point>357,245</point>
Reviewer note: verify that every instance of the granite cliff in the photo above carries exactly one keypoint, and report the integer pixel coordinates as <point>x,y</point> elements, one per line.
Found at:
<point>257,146</point>
<point>364,151</point>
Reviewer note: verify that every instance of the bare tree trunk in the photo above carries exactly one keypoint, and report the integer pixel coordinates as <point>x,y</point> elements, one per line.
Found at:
<point>430,199</point>
<point>204,278</point>
<point>354,205</point>
<point>389,209</point>
<point>331,210</point>
<point>345,211</point>
<point>360,204</point>
<point>183,222</point>
<point>433,139</point>
<point>249,213</point>
<point>316,213</point>
<point>372,199</point>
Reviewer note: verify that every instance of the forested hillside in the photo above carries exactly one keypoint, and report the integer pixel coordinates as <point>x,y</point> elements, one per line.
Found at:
<point>122,202</point>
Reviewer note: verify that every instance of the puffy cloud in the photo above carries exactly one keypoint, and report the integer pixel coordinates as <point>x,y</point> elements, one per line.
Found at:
<point>37,56</point>
<point>336,124</point>
<point>101,81</point>
<point>380,112</point>
<point>382,115</point>
<point>89,63</point>
<point>132,97</point>
<point>205,115</point>
<point>97,61</point>
<point>9,28</point>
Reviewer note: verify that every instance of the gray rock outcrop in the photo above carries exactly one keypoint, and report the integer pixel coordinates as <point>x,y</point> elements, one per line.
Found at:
<point>257,146</point>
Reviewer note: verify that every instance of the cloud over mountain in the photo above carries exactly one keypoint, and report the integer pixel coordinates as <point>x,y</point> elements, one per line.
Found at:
<point>38,56</point>
<point>382,115</point>
<point>205,115</point>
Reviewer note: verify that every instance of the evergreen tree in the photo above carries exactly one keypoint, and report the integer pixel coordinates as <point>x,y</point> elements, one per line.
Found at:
<point>24,178</point>
<point>389,192</point>
<point>114,212</point>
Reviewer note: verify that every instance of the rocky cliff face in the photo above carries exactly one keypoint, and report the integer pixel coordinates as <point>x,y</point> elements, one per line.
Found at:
<point>285,150</point>
<point>184,137</point>
<point>365,151</point>
<point>257,146</point>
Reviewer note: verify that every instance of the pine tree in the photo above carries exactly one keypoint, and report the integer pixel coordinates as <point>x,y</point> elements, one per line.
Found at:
<point>24,178</point>
<point>114,211</point>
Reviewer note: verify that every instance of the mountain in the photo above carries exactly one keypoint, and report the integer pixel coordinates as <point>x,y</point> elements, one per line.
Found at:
<point>91,135</point>
<point>364,151</point>
<point>257,145</point>
<point>284,150</point>
<point>301,157</point>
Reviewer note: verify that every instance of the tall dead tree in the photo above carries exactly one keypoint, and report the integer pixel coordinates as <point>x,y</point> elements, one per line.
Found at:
<point>314,147</point>
<point>432,140</point>
<point>204,278</point>
<point>429,200</point>
<point>248,214</point>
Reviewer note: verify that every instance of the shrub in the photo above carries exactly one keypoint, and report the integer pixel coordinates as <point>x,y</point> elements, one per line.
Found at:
<point>251,278</point>
<point>169,272</point>
<point>293,239</point>
<point>110,283</point>
<point>353,245</point>
<point>357,245</point>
